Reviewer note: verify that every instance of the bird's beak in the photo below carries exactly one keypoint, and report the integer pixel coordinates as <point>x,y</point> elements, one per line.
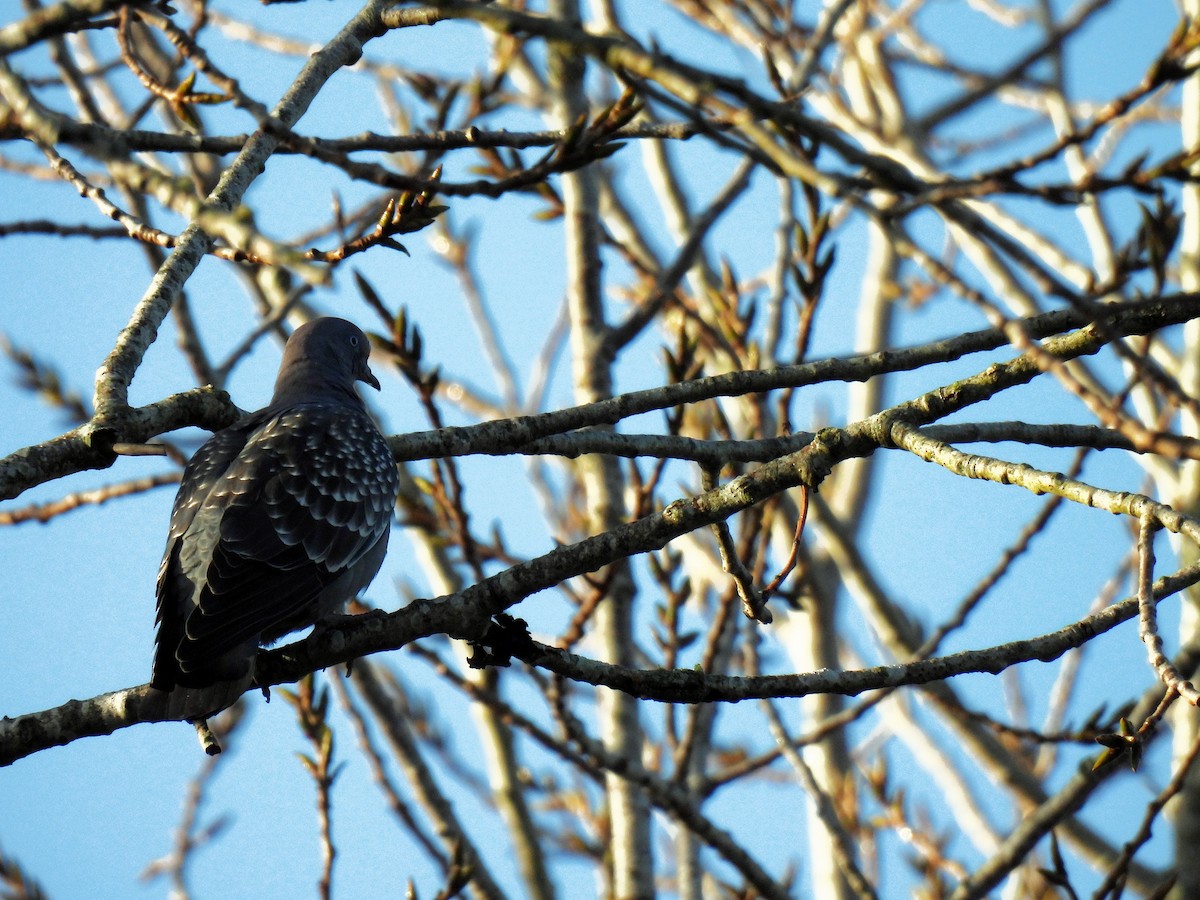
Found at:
<point>367,376</point>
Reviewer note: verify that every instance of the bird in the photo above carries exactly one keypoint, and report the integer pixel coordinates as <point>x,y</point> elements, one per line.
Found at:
<point>279,520</point>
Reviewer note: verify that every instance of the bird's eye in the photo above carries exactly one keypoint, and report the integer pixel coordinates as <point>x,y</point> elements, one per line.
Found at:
<point>353,340</point>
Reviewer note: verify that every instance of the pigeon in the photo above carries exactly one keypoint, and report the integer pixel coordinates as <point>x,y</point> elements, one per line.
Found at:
<point>279,520</point>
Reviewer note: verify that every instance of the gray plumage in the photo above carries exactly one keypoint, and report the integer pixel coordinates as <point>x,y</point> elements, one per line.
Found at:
<point>280,518</point>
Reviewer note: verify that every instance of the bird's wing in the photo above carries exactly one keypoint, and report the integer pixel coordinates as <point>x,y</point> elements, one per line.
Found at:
<point>310,493</point>
<point>201,475</point>
<point>174,590</point>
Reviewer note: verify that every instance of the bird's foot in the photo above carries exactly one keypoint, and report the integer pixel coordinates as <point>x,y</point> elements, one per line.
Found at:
<point>337,620</point>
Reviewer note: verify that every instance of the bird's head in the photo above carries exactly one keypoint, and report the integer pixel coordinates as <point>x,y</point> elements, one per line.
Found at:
<point>322,356</point>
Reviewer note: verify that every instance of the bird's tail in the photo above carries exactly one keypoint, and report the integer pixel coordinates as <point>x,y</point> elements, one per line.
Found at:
<point>203,702</point>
